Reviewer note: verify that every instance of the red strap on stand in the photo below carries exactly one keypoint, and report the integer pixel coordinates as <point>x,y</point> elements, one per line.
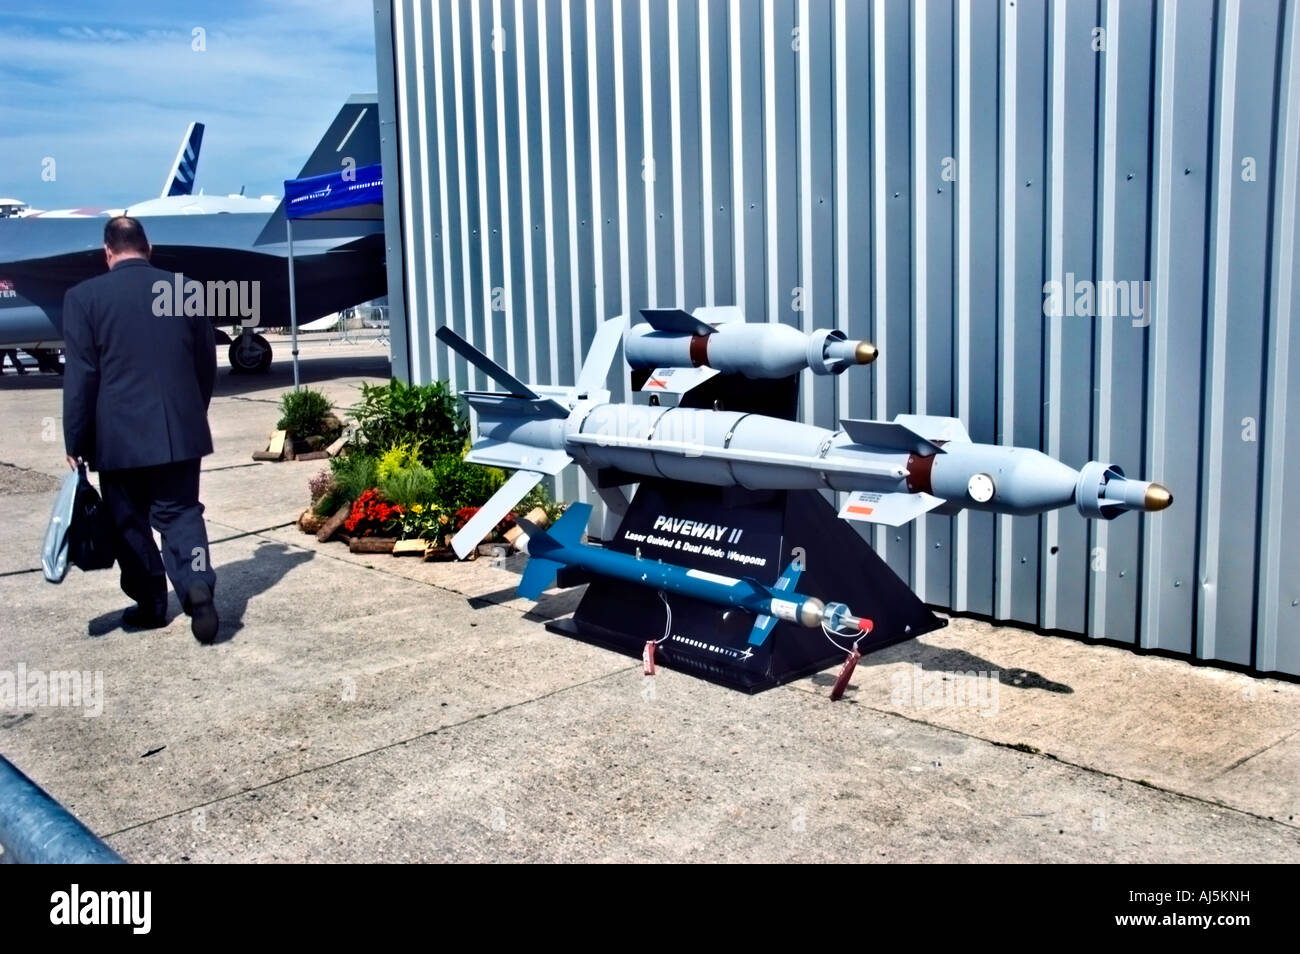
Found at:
<point>850,663</point>
<point>648,657</point>
<point>846,673</point>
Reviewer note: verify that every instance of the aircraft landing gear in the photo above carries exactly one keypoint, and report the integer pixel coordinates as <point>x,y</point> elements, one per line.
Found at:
<point>250,354</point>
<point>47,359</point>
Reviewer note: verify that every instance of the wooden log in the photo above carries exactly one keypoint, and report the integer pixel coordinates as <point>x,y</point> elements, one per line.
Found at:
<point>334,449</point>
<point>446,553</point>
<point>536,516</point>
<point>313,455</point>
<point>334,523</point>
<point>372,544</point>
<point>266,455</point>
<point>310,521</point>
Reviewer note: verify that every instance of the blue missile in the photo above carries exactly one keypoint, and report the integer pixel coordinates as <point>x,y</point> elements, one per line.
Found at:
<point>561,546</point>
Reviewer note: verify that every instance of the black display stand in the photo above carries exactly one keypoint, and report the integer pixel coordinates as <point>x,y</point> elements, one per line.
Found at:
<point>761,533</point>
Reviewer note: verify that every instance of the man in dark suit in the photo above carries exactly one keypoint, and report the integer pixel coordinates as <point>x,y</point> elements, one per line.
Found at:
<point>137,383</point>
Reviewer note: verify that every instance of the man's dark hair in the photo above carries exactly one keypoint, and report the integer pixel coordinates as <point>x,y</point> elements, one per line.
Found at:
<point>125,234</point>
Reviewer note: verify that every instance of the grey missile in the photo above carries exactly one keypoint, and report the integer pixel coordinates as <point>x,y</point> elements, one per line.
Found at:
<point>893,471</point>
<point>720,338</point>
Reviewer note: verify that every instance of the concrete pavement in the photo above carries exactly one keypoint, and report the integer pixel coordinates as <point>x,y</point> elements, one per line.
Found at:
<point>374,708</point>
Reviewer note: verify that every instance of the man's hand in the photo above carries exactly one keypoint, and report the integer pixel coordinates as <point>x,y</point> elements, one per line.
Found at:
<point>72,463</point>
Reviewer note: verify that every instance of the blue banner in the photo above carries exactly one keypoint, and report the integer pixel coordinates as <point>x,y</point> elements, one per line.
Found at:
<point>346,194</point>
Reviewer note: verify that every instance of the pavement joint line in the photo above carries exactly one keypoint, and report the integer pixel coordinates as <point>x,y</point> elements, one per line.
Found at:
<point>379,748</point>
<point>251,463</point>
<point>1243,760</point>
<point>252,533</point>
<point>236,536</point>
<point>1090,769</point>
<point>250,400</point>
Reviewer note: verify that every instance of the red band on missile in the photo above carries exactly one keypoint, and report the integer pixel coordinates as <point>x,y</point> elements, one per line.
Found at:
<point>699,350</point>
<point>918,473</point>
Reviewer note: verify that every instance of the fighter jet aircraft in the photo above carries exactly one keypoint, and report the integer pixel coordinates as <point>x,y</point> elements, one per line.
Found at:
<point>339,264</point>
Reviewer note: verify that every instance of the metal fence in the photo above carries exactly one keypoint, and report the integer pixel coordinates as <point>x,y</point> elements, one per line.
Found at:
<point>1072,224</point>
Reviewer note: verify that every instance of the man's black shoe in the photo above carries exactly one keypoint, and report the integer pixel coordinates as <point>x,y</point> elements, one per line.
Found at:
<point>134,617</point>
<point>203,615</point>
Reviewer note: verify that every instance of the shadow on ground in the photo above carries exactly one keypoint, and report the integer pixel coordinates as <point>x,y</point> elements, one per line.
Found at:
<point>237,583</point>
<point>939,659</point>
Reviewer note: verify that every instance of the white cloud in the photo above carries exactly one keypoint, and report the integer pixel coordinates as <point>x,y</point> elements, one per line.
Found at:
<point>109,98</point>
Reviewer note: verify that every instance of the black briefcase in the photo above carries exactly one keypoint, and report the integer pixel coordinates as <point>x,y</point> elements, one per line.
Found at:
<point>91,534</point>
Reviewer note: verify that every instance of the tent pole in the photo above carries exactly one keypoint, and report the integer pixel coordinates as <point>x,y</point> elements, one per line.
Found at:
<point>293,302</point>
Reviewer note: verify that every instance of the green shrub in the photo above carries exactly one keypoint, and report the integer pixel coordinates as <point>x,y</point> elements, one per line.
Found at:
<point>408,486</point>
<point>328,502</point>
<point>396,413</point>
<point>302,412</point>
<point>461,484</point>
<point>396,458</point>
<point>354,473</point>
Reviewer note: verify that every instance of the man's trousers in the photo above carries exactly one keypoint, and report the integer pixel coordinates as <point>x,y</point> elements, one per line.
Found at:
<point>164,498</point>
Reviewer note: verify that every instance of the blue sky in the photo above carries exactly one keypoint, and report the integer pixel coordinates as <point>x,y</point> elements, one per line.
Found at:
<point>107,88</point>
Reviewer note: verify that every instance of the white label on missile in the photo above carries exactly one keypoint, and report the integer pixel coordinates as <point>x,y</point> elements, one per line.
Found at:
<point>784,609</point>
<point>713,577</point>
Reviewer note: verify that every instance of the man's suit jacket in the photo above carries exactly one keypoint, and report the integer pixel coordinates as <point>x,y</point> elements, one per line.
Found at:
<point>136,385</point>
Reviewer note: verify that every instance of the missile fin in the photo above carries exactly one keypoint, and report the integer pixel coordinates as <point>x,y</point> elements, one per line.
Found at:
<point>497,373</point>
<point>675,320</point>
<point>538,575</point>
<point>764,624</point>
<point>594,375</point>
<point>892,510</point>
<point>568,530</point>
<point>935,428</point>
<point>762,629</point>
<point>494,511</point>
<point>719,314</point>
<point>889,436</point>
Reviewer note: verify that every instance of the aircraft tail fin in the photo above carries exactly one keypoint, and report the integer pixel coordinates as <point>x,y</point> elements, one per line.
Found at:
<point>180,180</point>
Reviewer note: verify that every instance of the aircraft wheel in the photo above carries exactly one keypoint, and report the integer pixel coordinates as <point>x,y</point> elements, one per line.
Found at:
<point>47,360</point>
<point>250,354</point>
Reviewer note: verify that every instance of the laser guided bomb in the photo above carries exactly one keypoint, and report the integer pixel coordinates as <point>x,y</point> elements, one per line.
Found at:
<point>894,471</point>
<point>562,546</point>
<point>721,339</point>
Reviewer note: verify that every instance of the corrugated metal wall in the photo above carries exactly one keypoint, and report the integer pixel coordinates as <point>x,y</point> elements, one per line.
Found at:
<point>913,173</point>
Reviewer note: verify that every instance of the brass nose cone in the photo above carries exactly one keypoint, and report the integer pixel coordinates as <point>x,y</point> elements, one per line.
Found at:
<point>1157,497</point>
<point>865,352</point>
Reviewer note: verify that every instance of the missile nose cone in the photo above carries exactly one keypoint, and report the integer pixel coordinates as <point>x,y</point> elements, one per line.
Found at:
<point>865,352</point>
<point>1157,497</point>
